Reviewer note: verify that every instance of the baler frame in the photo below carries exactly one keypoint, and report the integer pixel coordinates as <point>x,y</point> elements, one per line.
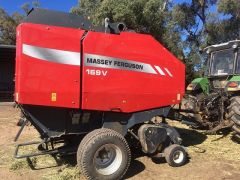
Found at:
<point>121,124</point>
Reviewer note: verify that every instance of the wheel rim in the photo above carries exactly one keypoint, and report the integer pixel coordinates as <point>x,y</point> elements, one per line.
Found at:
<point>108,159</point>
<point>178,156</point>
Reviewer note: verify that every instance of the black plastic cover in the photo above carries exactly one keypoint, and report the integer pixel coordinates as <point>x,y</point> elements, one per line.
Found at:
<point>151,137</point>
<point>56,18</point>
<point>62,19</point>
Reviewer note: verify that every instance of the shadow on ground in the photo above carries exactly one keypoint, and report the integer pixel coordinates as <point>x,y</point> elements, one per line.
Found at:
<point>58,161</point>
<point>135,168</point>
<point>191,137</point>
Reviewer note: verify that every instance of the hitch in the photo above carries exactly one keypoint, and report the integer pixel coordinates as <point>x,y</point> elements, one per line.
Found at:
<point>175,114</point>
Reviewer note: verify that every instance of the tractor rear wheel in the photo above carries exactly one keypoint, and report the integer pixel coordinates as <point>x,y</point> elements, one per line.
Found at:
<point>103,154</point>
<point>234,113</point>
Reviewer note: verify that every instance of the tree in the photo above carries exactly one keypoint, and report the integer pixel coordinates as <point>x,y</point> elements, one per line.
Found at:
<point>192,20</point>
<point>144,16</point>
<point>9,23</point>
<point>200,26</point>
<point>26,7</point>
<point>230,26</point>
<point>8,26</point>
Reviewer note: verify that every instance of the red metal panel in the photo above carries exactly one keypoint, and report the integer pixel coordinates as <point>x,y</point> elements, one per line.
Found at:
<point>110,87</point>
<point>46,69</point>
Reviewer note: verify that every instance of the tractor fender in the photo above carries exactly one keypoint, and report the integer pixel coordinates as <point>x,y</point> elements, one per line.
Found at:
<point>199,84</point>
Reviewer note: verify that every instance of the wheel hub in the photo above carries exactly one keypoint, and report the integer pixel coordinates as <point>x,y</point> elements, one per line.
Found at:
<point>178,156</point>
<point>107,159</point>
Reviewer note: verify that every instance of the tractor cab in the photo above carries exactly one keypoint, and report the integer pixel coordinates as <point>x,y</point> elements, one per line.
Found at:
<point>223,59</point>
<point>222,67</point>
<point>223,63</point>
<point>213,100</point>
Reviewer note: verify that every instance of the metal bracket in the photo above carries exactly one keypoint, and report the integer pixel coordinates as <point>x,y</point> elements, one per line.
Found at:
<point>21,129</point>
<point>16,155</point>
<point>64,150</point>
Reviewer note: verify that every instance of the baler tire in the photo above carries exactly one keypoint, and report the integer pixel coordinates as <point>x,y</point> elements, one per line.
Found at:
<point>175,151</point>
<point>86,139</point>
<point>234,113</point>
<point>103,154</point>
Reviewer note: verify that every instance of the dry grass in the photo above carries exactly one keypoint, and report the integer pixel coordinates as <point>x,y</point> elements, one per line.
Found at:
<point>65,173</point>
<point>222,145</point>
<point>58,168</point>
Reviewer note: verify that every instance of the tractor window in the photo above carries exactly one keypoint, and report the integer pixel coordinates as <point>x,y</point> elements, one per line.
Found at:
<point>222,62</point>
<point>238,62</point>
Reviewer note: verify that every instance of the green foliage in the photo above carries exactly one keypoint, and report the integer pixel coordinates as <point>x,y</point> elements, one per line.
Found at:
<point>26,7</point>
<point>230,7</point>
<point>9,23</point>
<point>230,27</point>
<point>8,26</point>
<point>201,27</point>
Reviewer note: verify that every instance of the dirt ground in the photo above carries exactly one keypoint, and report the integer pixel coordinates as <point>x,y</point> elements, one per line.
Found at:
<point>211,157</point>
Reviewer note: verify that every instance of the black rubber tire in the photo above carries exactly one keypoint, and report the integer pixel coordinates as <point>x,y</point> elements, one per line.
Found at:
<point>170,153</point>
<point>86,139</point>
<point>91,144</point>
<point>234,113</point>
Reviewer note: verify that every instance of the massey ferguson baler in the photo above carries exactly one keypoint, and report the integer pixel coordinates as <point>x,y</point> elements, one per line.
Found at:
<point>100,87</point>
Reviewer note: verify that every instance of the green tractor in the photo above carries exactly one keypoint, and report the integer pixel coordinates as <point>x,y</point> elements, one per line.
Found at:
<point>213,101</point>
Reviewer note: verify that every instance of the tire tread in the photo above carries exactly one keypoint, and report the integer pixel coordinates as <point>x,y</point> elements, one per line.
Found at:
<point>234,113</point>
<point>168,154</point>
<point>88,142</point>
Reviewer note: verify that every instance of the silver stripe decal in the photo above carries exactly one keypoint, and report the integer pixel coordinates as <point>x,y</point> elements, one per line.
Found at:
<point>169,73</point>
<point>52,55</point>
<point>116,63</point>
<point>160,70</point>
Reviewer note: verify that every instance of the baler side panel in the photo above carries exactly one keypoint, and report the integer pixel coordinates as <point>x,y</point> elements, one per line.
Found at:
<point>48,65</point>
<point>152,77</point>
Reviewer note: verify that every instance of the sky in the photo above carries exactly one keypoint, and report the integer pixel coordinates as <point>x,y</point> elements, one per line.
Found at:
<point>12,6</point>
